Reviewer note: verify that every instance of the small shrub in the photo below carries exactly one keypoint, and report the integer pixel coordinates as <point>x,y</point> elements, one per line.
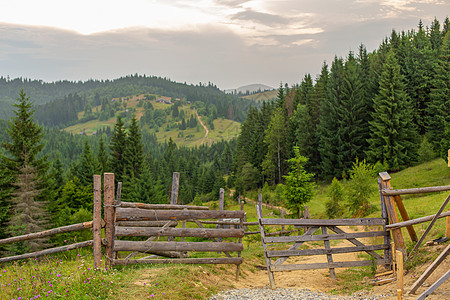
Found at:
<point>360,188</point>
<point>334,207</point>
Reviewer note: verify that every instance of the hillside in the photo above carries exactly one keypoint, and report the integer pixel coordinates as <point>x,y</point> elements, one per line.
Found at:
<point>263,96</point>
<point>250,88</point>
<point>166,125</point>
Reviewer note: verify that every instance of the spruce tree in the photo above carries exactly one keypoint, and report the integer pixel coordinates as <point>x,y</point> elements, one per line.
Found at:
<point>134,153</point>
<point>393,135</point>
<point>86,167</point>
<point>30,182</point>
<point>102,156</point>
<point>118,148</point>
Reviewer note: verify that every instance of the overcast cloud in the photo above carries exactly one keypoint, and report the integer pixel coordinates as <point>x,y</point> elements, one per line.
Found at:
<point>228,42</point>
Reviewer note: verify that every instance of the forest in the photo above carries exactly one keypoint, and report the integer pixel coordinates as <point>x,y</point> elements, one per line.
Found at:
<point>383,110</point>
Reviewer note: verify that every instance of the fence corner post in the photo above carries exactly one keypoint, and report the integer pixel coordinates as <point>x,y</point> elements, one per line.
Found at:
<point>387,202</point>
<point>109,212</point>
<point>97,221</point>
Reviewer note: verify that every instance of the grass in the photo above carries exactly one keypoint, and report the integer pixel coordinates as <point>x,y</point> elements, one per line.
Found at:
<point>263,96</point>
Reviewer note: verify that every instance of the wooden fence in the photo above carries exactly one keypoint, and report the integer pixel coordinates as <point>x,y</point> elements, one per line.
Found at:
<point>293,243</point>
<point>166,243</point>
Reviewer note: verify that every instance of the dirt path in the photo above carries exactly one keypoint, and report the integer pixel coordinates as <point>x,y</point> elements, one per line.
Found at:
<point>204,126</point>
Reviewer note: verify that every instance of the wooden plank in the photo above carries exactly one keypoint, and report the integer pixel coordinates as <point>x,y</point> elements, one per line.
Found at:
<point>36,235</point>
<point>217,260</point>
<point>405,217</point>
<point>267,259</point>
<point>179,232</point>
<point>161,206</point>
<point>137,214</point>
<point>143,246</point>
<point>422,238</point>
<point>306,252</point>
<point>384,215</point>
<point>399,256</point>
<point>422,190</point>
<point>447,224</point>
<point>322,237</point>
<point>430,270</point>
<point>175,184</point>
<point>416,221</point>
<point>329,256</point>
<point>145,223</point>
<point>309,232</point>
<point>108,194</point>
<point>356,242</point>
<point>392,216</point>
<point>340,264</point>
<point>434,286</point>
<point>213,239</point>
<point>97,223</point>
<point>326,222</point>
<point>47,251</point>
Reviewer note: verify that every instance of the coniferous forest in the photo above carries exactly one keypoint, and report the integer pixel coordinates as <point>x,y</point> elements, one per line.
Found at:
<point>389,108</point>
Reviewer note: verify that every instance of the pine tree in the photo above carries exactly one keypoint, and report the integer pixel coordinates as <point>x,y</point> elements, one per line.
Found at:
<point>299,187</point>
<point>23,161</point>
<point>134,153</point>
<point>87,164</point>
<point>392,130</point>
<point>102,156</point>
<point>118,148</point>
<point>329,141</point>
<point>275,139</point>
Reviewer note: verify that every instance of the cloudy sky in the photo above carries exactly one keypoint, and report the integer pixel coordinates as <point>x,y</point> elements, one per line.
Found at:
<point>228,42</point>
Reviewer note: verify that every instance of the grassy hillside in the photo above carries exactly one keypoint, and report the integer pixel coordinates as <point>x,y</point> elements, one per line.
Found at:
<point>223,128</point>
<point>264,96</point>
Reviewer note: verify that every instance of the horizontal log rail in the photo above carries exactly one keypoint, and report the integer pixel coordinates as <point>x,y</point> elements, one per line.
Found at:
<point>421,190</point>
<point>120,245</point>
<point>416,221</point>
<point>179,232</point>
<point>324,237</point>
<point>138,214</point>
<point>218,260</point>
<point>282,253</point>
<point>48,251</point>
<point>161,206</point>
<point>340,264</point>
<point>229,223</point>
<point>36,235</point>
<point>326,222</point>
<point>145,223</point>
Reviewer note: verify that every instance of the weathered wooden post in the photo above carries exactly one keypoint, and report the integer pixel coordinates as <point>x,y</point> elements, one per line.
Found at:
<point>447,226</point>
<point>385,184</point>
<point>399,255</point>
<point>245,216</point>
<point>260,204</point>
<point>109,212</point>
<point>282,216</point>
<point>175,184</point>
<point>97,221</point>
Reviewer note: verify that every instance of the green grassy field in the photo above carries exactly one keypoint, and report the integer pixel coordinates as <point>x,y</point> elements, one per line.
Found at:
<point>263,96</point>
<point>223,128</point>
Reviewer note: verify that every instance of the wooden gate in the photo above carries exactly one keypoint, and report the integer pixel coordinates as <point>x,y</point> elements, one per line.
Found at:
<point>275,259</point>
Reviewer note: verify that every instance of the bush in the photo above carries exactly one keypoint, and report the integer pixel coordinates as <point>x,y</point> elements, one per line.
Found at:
<point>360,188</point>
<point>334,208</point>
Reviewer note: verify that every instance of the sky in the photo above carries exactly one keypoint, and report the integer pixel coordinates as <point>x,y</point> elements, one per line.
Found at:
<point>230,43</point>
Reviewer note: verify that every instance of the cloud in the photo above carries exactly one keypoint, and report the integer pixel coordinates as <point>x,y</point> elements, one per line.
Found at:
<point>261,18</point>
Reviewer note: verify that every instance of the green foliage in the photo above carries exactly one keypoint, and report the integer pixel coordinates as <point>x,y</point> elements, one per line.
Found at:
<point>334,207</point>
<point>299,187</point>
<point>425,151</point>
<point>360,188</point>
<point>250,176</point>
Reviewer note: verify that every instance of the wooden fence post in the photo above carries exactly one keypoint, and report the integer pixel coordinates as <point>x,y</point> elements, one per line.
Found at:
<point>109,212</point>
<point>97,221</point>
<point>260,204</point>
<point>447,226</point>
<point>175,184</point>
<point>399,255</point>
<point>385,184</point>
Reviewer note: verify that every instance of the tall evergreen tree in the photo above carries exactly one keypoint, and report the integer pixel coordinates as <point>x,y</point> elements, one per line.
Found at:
<point>86,167</point>
<point>29,171</point>
<point>118,148</point>
<point>134,153</point>
<point>102,156</point>
<point>329,138</point>
<point>392,131</point>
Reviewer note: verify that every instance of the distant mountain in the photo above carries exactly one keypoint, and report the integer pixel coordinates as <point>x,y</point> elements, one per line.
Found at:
<point>250,89</point>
